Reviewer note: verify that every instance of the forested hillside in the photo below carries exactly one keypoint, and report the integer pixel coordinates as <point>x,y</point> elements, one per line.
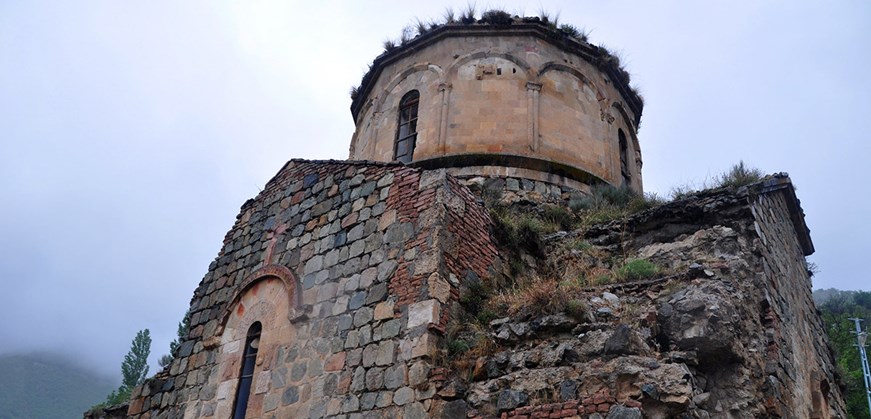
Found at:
<point>46,387</point>
<point>837,308</point>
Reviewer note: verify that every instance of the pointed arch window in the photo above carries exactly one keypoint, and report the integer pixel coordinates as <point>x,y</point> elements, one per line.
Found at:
<point>406,133</point>
<point>624,159</point>
<point>246,376</point>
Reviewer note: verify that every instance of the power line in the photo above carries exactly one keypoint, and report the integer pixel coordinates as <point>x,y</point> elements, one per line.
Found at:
<point>862,340</point>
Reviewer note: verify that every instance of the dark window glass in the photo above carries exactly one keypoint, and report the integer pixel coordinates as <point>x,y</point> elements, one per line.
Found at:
<point>624,159</point>
<point>406,134</point>
<point>249,358</point>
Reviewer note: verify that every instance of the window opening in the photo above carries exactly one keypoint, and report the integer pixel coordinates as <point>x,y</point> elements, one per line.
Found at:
<point>406,134</point>
<point>249,357</point>
<point>624,159</point>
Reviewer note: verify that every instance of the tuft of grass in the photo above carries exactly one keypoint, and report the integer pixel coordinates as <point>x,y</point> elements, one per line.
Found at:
<point>574,32</point>
<point>582,245</point>
<point>577,309</point>
<point>457,347</point>
<point>406,35</point>
<point>422,27</point>
<point>636,269</point>
<point>449,16</point>
<point>739,175</point>
<point>539,296</point>
<point>389,44</point>
<point>467,16</point>
<point>355,90</point>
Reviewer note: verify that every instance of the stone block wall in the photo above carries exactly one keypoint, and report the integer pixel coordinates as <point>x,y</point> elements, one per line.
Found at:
<point>351,268</point>
<point>517,99</point>
<point>799,365</point>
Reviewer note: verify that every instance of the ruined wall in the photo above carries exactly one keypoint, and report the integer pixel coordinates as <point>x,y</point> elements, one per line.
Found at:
<point>351,268</point>
<point>727,329</point>
<point>502,101</point>
<point>355,271</point>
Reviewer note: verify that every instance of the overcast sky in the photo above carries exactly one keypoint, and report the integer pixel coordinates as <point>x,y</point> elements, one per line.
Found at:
<point>132,132</point>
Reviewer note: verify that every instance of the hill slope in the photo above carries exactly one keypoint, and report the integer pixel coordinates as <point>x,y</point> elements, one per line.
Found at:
<point>43,386</point>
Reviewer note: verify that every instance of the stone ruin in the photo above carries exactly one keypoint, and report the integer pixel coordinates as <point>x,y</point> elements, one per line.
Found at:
<point>341,286</point>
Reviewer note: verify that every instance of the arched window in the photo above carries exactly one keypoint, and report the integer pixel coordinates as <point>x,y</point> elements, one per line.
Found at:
<point>624,159</point>
<point>406,134</point>
<point>249,357</point>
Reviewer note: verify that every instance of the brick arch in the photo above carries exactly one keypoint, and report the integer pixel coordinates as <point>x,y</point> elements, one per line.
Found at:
<point>285,275</point>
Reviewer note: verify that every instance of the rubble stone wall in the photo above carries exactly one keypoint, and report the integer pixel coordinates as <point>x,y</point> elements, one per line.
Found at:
<point>726,330</point>
<point>351,268</point>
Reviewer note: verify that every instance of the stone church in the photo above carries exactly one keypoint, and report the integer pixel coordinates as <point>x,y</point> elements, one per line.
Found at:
<point>335,293</point>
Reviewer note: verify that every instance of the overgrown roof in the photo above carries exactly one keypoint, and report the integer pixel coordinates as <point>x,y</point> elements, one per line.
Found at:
<point>495,23</point>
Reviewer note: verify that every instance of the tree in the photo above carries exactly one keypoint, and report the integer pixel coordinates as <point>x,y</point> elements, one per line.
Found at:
<point>134,369</point>
<point>181,335</point>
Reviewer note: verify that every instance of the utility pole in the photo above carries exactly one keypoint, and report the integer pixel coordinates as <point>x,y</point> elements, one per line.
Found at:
<point>862,340</point>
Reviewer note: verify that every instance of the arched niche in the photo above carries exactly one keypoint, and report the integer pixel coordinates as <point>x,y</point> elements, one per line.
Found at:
<point>489,105</point>
<point>292,292</point>
<point>571,127</point>
<point>374,137</point>
<point>269,297</point>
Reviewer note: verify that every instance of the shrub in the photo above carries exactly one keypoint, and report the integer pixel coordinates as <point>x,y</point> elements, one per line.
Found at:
<point>573,31</point>
<point>475,297</point>
<point>496,17</point>
<point>559,216</point>
<point>636,269</point>
<point>517,231</point>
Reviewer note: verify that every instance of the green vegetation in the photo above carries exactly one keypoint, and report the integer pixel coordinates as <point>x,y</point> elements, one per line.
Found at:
<point>47,386</point>
<point>468,16</point>
<point>134,369</point>
<point>636,269</point>
<point>738,175</point>
<point>181,335</point>
<point>836,311</point>
<point>606,203</point>
<point>574,32</point>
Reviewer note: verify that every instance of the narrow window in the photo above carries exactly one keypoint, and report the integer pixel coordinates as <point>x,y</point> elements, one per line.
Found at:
<point>406,134</point>
<point>249,356</point>
<point>624,159</point>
